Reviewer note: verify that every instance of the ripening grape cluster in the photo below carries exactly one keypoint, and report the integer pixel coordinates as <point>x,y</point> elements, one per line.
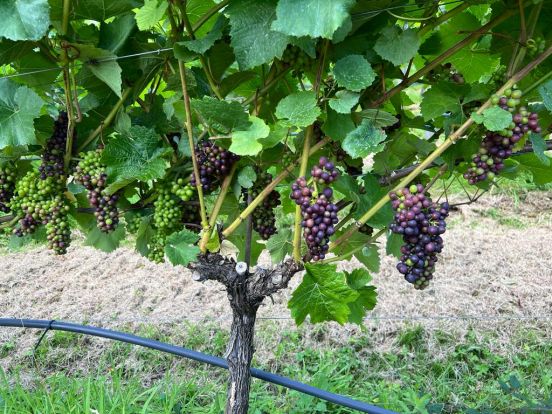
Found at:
<point>7,186</point>
<point>264,217</point>
<point>54,152</point>
<point>318,215</point>
<point>214,164</point>
<point>58,231</point>
<point>497,146</point>
<point>90,172</point>
<point>421,223</point>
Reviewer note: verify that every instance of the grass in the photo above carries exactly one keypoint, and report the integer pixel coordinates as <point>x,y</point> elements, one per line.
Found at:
<point>422,372</point>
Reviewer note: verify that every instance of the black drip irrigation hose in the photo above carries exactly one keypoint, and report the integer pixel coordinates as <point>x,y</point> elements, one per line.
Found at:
<point>194,355</point>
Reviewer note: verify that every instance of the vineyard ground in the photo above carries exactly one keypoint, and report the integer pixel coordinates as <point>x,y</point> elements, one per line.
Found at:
<point>485,317</point>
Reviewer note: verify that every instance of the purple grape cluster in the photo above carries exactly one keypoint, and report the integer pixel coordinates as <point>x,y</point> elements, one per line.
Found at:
<point>53,156</point>
<point>214,164</point>
<point>320,215</point>
<point>264,217</point>
<point>421,222</point>
<point>7,186</point>
<point>90,172</point>
<point>497,146</point>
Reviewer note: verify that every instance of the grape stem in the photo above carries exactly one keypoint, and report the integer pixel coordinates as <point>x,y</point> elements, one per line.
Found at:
<point>218,205</point>
<point>438,151</point>
<point>302,173</point>
<point>188,125</point>
<point>268,189</point>
<point>355,250</point>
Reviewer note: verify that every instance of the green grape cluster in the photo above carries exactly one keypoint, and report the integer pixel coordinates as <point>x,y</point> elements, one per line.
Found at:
<point>183,190</point>
<point>7,186</point>
<point>90,172</point>
<point>536,46</point>
<point>57,228</point>
<point>156,251</point>
<point>296,58</point>
<point>133,224</point>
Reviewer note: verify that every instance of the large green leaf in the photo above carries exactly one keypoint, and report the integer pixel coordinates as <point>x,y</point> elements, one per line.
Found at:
<point>253,40</point>
<point>354,72</point>
<point>247,142</point>
<point>542,174</point>
<point>149,15</point>
<point>323,294</point>
<point>299,108</point>
<point>106,242</point>
<point>366,139</point>
<point>280,244</point>
<point>98,10</point>
<point>24,20</point>
<point>494,118</point>
<point>19,106</point>
<point>367,296</point>
<point>441,98</point>
<point>203,44</point>
<point>103,65</point>
<point>11,51</point>
<point>344,101</point>
<point>136,154</point>
<point>223,116</point>
<point>181,249</point>
<point>473,65</point>
<point>545,91</point>
<point>396,45</point>
<point>115,34</point>
<point>539,147</point>
<point>314,18</point>
<point>337,125</point>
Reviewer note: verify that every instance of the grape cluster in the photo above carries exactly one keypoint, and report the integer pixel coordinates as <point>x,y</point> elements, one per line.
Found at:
<point>264,217</point>
<point>133,224</point>
<point>497,146</point>
<point>7,186</point>
<point>296,58</point>
<point>53,156</point>
<point>421,222</point>
<point>90,172</point>
<point>184,191</point>
<point>58,231</point>
<point>318,216</point>
<point>214,164</point>
<point>535,46</point>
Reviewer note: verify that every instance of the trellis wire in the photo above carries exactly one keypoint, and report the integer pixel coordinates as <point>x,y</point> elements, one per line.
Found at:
<point>196,356</point>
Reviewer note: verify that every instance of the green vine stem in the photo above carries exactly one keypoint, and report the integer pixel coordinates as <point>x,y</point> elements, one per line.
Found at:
<point>107,121</point>
<point>218,205</point>
<point>526,32</point>
<point>189,126</point>
<point>302,172</point>
<point>355,250</point>
<point>268,189</point>
<point>441,58</point>
<point>442,148</point>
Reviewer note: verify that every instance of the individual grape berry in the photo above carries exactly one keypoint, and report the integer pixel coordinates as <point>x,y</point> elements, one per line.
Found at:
<point>264,217</point>
<point>90,172</point>
<point>214,164</point>
<point>496,147</point>
<point>7,186</point>
<point>421,222</point>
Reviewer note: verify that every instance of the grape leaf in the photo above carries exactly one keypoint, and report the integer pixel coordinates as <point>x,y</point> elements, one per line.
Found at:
<point>367,296</point>
<point>539,146</point>
<point>323,294</point>
<point>205,43</point>
<point>144,235</point>
<point>103,65</point>
<point>542,174</point>
<point>149,15</point>
<point>19,106</point>
<point>337,126</point>
<point>545,92</point>
<point>494,118</point>
<point>24,20</point>
<point>180,248</point>
<point>246,142</point>
<point>98,10</point>
<point>280,244</point>
<point>247,176</point>
<point>136,154</point>
<point>441,98</point>
<point>278,134</point>
<point>299,108</point>
<point>253,40</point>
<point>106,242</point>
<point>344,101</point>
<point>473,65</point>
<point>394,243</point>
<point>114,35</point>
<point>354,72</point>
<point>369,257</point>
<point>314,18</point>
<point>223,116</point>
<point>378,117</point>
<point>396,45</point>
<point>364,140</point>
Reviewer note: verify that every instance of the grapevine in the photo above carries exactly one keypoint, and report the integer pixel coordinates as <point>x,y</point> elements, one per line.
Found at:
<point>421,223</point>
